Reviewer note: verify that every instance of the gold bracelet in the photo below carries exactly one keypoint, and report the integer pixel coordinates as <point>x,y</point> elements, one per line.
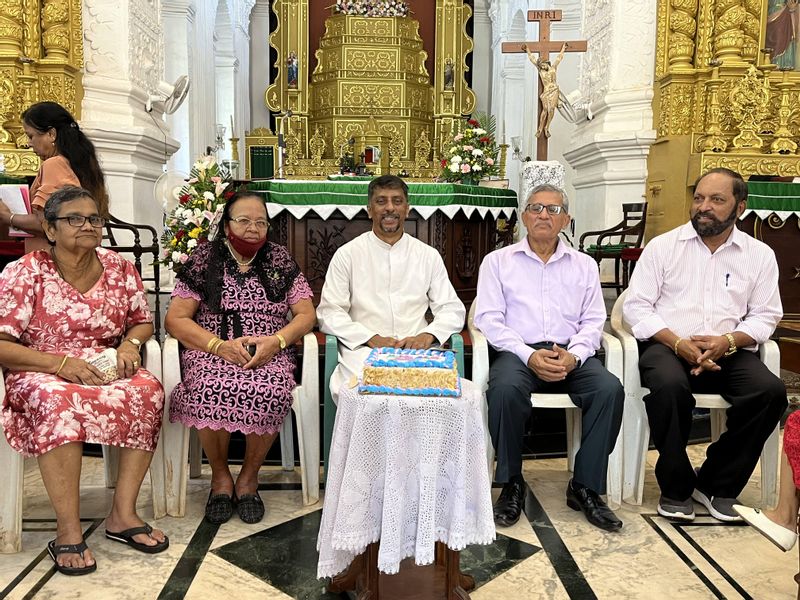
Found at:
<point>216,346</point>
<point>11,219</point>
<point>675,346</point>
<point>210,343</point>
<point>61,366</point>
<point>281,340</point>
<point>732,348</point>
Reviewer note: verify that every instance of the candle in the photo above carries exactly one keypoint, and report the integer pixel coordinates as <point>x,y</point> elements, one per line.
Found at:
<point>232,133</point>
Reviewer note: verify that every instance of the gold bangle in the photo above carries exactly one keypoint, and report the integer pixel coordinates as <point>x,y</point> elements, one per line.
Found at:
<point>675,346</point>
<point>281,340</point>
<point>210,343</point>
<point>11,219</point>
<point>61,366</point>
<point>732,348</point>
<point>217,345</point>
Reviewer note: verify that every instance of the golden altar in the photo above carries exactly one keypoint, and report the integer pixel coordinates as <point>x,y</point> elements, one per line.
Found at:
<point>369,92</point>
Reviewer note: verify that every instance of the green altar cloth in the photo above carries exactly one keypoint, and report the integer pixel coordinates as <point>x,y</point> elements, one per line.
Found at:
<point>350,197</point>
<point>8,180</point>
<point>767,197</point>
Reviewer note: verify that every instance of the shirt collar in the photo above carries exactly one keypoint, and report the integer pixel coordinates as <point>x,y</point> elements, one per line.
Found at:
<point>736,238</point>
<point>524,247</point>
<point>376,240</point>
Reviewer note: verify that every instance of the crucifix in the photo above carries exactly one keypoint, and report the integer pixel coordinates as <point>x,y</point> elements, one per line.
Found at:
<point>544,46</point>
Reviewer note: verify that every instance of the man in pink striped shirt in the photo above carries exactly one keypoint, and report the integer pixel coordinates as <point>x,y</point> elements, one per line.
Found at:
<point>702,298</point>
<point>540,307</point>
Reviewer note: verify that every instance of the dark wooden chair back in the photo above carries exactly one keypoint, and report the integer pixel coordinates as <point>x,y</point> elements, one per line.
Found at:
<point>126,238</point>
<point>629,232</point>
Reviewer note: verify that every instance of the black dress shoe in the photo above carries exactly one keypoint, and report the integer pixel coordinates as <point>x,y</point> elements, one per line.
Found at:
<point>508,507</point>
<point>580,497</point>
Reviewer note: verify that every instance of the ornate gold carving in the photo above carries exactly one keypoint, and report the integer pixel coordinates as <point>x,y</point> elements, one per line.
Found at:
<point>317,145</point>
<point>682,29</point>
<point>26,28</point>
<point>751,27</point>
<point>783,144</point>
<point>422,150</point>
<point>749,100</point>
<point>714,141</point>
<point>728,35</point>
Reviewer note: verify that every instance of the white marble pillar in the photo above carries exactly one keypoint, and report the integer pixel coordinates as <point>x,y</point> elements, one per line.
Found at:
<point>241,76</point>
<point>123,56</point>
<point>482,62</point>
<point>177,17</point>
<point>609,153</point>
<point>202,104</point>
<point>259,68</point>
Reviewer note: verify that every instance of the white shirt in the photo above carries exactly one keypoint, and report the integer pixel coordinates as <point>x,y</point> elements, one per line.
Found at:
<point>680,285</point>
<point>372,287</point>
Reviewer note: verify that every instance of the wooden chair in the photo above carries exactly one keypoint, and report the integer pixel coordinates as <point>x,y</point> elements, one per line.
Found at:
<point>12,464</point>
<point>636,427</point>
<point>613,351</point>
<point>305,406</point>
<point>609,243</point>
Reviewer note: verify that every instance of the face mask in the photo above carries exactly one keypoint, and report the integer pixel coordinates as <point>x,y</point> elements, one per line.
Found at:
<point>243,247</point>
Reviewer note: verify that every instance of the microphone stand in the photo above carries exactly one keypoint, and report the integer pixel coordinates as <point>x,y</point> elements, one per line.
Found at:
<point>282,144</point>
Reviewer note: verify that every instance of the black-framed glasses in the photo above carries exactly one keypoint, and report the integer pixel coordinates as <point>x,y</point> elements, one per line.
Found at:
<point>552,209</point>
<point>260,224</point>
<point>79,220</point>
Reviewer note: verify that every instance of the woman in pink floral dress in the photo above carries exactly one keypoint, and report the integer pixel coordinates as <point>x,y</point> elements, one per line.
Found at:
<point>60,308</point>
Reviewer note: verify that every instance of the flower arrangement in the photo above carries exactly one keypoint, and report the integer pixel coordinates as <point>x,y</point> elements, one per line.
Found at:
<point>200,202</point>
<point>372,8</point>
<point>473,154</point>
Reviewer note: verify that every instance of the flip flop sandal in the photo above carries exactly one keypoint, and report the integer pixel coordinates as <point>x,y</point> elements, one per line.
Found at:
<point>56,550</point>
<point>250,508</point>
<point>126,537</point>
<point>219,508</point>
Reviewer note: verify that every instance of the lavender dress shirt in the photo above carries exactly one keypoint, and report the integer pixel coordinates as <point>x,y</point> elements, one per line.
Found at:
<point>522,300</point>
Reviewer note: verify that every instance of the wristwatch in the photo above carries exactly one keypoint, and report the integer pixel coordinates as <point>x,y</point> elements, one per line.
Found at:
<point>731,344</point>
<point>135,342</point>
<point>578,361</point>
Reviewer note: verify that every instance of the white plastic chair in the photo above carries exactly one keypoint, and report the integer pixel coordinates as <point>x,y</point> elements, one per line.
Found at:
<point>480,376</point>
<point>12,464</point>
<point>637,428</point>
<point>305,405</point>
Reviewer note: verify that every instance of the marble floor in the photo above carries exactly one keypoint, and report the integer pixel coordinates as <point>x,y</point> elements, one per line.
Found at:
<point>553,553</point>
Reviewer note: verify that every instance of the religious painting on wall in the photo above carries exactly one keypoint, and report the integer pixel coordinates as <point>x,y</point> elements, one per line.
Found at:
<point>291,70</point>
<point>783,23</point>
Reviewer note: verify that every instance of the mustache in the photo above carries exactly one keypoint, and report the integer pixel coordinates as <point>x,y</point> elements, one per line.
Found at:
<point>707,214</point>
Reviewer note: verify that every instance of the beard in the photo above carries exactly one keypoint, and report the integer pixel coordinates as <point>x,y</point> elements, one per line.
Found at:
<point>387,227</point>
<point>714,226</point>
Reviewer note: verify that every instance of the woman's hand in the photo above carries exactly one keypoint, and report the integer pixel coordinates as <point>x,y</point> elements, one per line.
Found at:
<point>5,214</point>
<point>79,371</point>
<point>234,351</point>
<point>266,349</point>
<point>128,360</point>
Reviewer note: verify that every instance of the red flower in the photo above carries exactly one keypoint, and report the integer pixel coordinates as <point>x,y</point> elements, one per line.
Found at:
<point>180,234</point>
<point>473,122</point>
<point>228,195</point>
<point>485,139</point>
<point>443,163</point>
<point>184,198</point>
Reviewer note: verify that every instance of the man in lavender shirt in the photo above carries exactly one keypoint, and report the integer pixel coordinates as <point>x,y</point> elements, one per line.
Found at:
<point>540,306</point>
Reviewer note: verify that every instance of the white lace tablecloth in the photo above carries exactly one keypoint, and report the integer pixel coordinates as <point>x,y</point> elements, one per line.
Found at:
<point>407,471</point>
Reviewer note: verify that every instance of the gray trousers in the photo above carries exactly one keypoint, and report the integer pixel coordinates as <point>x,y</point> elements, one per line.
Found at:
<point>591,387</point>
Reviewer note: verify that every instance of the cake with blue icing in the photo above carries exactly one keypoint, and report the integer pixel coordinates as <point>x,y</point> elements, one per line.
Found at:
<point>397,371</point>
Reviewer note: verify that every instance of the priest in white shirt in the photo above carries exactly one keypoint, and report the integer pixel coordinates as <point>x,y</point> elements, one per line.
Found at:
<point>380,285</point>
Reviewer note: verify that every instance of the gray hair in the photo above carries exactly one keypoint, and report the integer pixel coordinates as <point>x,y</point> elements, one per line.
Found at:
<point>546,187</point>
<point>68,193</point>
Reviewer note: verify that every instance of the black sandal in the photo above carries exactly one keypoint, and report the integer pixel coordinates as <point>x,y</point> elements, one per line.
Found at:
<point>250,508</point>
<point>219,508</point>
<point>57,550</point>
<point>126,537</point>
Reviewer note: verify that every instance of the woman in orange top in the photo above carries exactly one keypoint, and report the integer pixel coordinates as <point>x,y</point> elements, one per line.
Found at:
<point>68,158</point>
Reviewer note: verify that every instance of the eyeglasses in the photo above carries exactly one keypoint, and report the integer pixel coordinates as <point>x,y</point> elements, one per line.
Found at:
<point>553,209</point>
<point>79,220</point>
<point>244,222</point>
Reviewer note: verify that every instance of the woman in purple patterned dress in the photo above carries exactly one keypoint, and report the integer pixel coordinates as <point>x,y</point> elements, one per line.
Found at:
<point>229,312</point>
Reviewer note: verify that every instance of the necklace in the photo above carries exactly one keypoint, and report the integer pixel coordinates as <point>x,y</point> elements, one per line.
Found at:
<point>245,263</point>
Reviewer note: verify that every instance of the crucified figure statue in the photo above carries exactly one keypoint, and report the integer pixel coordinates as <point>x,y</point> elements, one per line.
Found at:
<point>549,94</point>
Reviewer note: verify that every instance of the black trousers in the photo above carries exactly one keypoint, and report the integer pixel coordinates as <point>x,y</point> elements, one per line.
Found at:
<point>757,398</point>
<point>591,387</point>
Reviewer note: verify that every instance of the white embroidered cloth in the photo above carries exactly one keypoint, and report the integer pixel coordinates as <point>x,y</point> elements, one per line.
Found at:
<point>408,471</point>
